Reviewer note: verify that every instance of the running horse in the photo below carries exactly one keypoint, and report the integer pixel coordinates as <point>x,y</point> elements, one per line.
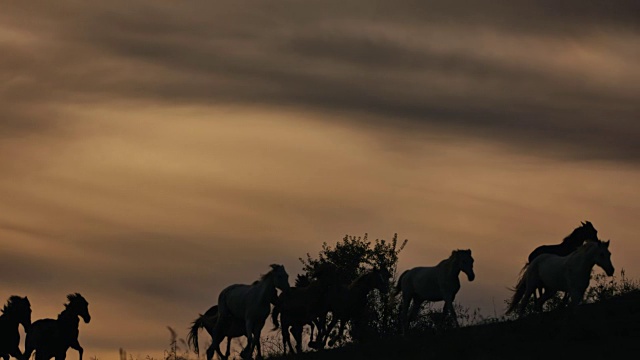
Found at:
<point>302,304</point>
<point>251,304</point>
<point>585,232</point>
<point>347,303</point>
<point>208,320</point>
<point>17,311</point>
<point>53,337</point>
<point>570,274</point>
<point>433,283</point>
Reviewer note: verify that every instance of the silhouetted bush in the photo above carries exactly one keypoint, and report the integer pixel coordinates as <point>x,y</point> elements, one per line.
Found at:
<point>353,256</point>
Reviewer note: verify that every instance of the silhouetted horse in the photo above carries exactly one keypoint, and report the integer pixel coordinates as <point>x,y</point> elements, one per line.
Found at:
<point>585,232</point>
<point>251,303</point>
<point>433,283</point>
<point>17,311</point>
<point>208,320</point>
<point>579,235</point>
<point>554,273</point>
<point>301,305</point>
<point>53,337</point>
<point>235,328</point>
<point>348,303</point>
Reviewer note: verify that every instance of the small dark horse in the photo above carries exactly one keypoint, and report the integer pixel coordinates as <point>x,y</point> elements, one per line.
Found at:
<point>585,232</point>
<point>208,321</point>
<point>301,305</point>
<point>17,311</point>
<point>347,303</point>
<point>51,338</point>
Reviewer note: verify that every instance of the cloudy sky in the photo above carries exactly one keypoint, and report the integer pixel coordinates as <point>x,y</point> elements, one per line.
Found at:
<point>154,152</point>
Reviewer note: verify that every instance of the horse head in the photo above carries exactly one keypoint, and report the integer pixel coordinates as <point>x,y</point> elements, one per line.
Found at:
<point>465,262</point>
<point>280,277</point>
<point>603,257</point>
<point>78,306</point>
<point>586,232</point>
<point>20,307</point>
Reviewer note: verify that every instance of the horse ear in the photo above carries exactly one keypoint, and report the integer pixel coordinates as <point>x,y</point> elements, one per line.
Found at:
<point>607,242</point>
<point>582,223</point>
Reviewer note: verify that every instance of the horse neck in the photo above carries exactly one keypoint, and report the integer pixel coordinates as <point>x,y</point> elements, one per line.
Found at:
<point>68,318</point>
<point>583,259</point>
<point>265,287</point>
<point>449,266</point>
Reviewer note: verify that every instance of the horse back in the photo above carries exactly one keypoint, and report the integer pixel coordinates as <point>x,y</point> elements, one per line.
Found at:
<point>558,249</point>
<point>549,269</point>
<point>422,281</point>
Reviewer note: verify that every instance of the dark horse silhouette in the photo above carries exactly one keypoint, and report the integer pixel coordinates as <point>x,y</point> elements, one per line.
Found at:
<point>569,244</point>
<point>234,328</point>
<point>348,303</point>
<point>17,311</point>
<point>301,305</point>
<point>585,232</point>
<point>53,337</point>
<point>208,320</point>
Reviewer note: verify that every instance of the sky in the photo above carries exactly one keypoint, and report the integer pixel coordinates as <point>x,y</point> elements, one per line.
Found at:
<point>154,152</point>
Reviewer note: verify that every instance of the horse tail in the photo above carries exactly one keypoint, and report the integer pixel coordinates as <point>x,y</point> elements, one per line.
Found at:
<point>192,336</point>
<point>519,290</point>
<point>210,317</point>
<point>398,288</point>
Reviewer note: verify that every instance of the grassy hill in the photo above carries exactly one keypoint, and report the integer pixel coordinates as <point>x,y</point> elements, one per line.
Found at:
<point>607,329</point>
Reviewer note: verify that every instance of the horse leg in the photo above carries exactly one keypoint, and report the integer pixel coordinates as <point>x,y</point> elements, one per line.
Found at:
<point>211,351</point>
<point>247,352</point>
<point>76,346</point>
<point>297,335</point>
<point>15,352</point>
<point>321,324</point>
<point>343,323</point>
<point>415,309</point>
<point>548,294</point>
<point>525,298</point>
<point>450,311</point>
<point>404,309</point>
<point>327,332</point>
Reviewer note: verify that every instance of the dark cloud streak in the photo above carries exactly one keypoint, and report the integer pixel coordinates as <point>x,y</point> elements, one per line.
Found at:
<point>319,56</point>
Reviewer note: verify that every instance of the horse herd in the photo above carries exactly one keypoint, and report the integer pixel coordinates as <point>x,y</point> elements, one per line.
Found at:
<point>49,338</point>
<point>243,309</point>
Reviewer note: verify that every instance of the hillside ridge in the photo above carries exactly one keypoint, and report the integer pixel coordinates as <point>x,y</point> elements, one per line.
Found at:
<point>608,328</point>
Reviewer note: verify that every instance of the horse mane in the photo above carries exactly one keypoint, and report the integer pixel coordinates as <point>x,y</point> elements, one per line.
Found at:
<point>265,276</point>
<point>570,237</point>
<point>13,299</point>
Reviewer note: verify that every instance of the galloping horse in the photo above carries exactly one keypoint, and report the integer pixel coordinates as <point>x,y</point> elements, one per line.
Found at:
<point>301,305</point>
<point>251,303</point>
<point>570,274</point>
<point>208,320</point>
<point>17,311</point>
<point>53,337</point>
<point>346,303</point>
<point>571,242</point>
<point>585,232</point>
<point>433,283</point>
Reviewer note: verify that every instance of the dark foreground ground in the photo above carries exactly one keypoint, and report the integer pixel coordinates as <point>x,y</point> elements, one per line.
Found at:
<point>605,330</point>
